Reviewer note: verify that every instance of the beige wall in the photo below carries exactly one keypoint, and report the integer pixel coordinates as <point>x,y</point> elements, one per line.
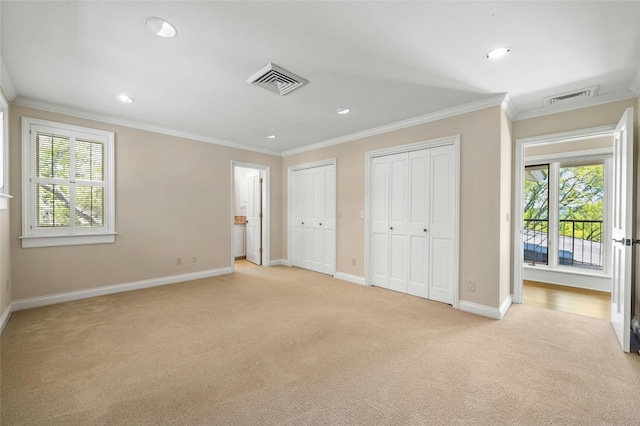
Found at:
<point>573,146</point>
<point>481,202</point>
<point>172,199</point>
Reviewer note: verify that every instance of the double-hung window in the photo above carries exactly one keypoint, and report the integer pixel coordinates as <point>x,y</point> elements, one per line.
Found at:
<point>68,184</point>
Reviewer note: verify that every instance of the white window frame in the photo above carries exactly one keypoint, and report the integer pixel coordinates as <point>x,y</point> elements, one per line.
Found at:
<point>33,236</point>
<point>4,155</point>
<point>555,163</point>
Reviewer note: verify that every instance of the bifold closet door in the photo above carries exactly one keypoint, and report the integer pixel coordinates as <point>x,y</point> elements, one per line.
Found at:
<point>400,215</point>
<point>313,218</point>
<point>413,222</point>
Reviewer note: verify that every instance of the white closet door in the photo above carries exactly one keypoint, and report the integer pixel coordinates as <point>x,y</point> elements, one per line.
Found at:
<point>380,222</point>
<point>328,222</point>
<point>296,218</point>
<point>398,222</point>
<point>313,227</point>
<point>442,229</point>
<point>419,197</point>
<point>254,219</point>
<point>306,197</point>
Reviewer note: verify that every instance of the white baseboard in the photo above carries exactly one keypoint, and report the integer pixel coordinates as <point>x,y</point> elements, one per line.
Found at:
<point>277,262</point>
<point>35,302</point>
<point>4,319</point>
<point>485,311</point>
<point>356,279</point>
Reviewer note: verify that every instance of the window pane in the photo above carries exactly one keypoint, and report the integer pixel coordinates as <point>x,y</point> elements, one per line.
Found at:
<point>89,163</point>
<point>52,208</point>
<point>89,206</point>
<point>581,214</point>
<point>536,214</point>
<point>52,156</point>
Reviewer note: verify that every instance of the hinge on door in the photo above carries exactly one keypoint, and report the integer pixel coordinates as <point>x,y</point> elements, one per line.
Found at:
<point>260,215</point>
<point>260,249</point>
<point>260,180</point>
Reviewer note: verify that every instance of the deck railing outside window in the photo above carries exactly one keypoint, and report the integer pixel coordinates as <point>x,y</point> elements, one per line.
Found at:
<point>579,242</point>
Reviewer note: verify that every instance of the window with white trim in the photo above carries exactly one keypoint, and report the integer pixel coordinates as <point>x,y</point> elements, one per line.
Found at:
<point>67,184</point>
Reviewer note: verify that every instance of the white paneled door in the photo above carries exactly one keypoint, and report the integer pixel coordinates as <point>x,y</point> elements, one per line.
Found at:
<point>313,225</point>
<point>254,218</point>
<point>413,222</point>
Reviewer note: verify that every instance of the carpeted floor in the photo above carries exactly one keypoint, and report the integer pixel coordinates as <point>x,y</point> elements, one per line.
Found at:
<point>284,346</point>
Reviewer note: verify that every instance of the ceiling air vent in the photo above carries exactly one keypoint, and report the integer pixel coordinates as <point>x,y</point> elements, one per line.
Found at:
<point>588,92</point>
<point>276,80</point>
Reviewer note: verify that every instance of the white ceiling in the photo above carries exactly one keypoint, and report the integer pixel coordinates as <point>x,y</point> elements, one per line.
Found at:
<point>387,61</point>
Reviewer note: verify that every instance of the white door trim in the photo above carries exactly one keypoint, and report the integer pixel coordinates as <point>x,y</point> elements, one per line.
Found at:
<point>521,144</point>
<point>290,171</point>
<point>266,210</point>
<point>433,143</point>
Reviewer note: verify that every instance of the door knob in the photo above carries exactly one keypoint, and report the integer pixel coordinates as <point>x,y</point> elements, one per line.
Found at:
<point>246,221</point>
<point>425,230</point>
<point>391,227</point>
<point>303,223</point>
<point>320,224</point>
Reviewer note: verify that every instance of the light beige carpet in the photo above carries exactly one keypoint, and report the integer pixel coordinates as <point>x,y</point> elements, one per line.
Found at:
<point>284,346</point>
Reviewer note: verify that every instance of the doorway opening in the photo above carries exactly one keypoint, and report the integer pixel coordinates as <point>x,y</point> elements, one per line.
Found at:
<point>564,211</point>
<point>249,215</point>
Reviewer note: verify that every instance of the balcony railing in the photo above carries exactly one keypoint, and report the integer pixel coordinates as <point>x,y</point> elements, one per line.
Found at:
<point>579,242</point>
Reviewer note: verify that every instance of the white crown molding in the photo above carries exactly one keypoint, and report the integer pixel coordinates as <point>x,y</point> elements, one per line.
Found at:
<point>7,83</point>
<point>34,302</point>
<point>435,116</point>
<point>508,107</point>
<point>584,103</point>
<point>59,109</point>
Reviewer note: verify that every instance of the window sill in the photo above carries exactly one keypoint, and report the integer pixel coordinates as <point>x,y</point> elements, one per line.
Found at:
<point>569,270</point>
<point>67,240</point>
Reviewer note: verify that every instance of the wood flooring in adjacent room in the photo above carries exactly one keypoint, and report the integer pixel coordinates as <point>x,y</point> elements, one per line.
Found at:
<point>590,303</point>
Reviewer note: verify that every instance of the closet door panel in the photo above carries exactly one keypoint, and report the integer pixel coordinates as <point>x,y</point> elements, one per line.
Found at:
<point>398,224</point>
<point>419,166</point>
<point>329,221</point>
<point>442,224</point>
<point>380,222</point>
<point>296,219</point>
<point>306,188</point>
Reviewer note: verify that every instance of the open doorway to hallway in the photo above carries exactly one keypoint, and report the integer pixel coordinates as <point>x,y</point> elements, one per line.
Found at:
<point>250,214</point>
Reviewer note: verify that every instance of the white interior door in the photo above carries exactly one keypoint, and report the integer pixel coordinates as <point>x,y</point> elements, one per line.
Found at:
<point>398,222</point>
<point>380,221</point>
<point>254,218</point>
<point>296,219</point>
<point>313,221</point>
<point>419,199</point>
<point>442,278</point>
<point>622,229</point>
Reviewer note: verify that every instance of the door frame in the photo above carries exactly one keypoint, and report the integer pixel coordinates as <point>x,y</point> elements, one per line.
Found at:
<point>328,162</point>
<point>433,143</point>
<point>518,214</point>
<point>266,209</point>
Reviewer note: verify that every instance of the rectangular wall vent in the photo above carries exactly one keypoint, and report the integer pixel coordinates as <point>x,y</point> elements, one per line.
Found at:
<point>588,92</point>
<point>276,80</point>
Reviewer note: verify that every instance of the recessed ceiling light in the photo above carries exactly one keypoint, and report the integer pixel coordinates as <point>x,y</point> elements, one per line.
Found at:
<point>271,136</point>
<point>161,27</point>
<point>497,53</point>
<point>343,110</point>
<point>124,99</point>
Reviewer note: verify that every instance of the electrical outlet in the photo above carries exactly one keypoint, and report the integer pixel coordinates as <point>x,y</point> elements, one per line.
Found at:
<point>353,261</point>
<point>471,285</point>
<point>194,258</point>
<point>178,261</point>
